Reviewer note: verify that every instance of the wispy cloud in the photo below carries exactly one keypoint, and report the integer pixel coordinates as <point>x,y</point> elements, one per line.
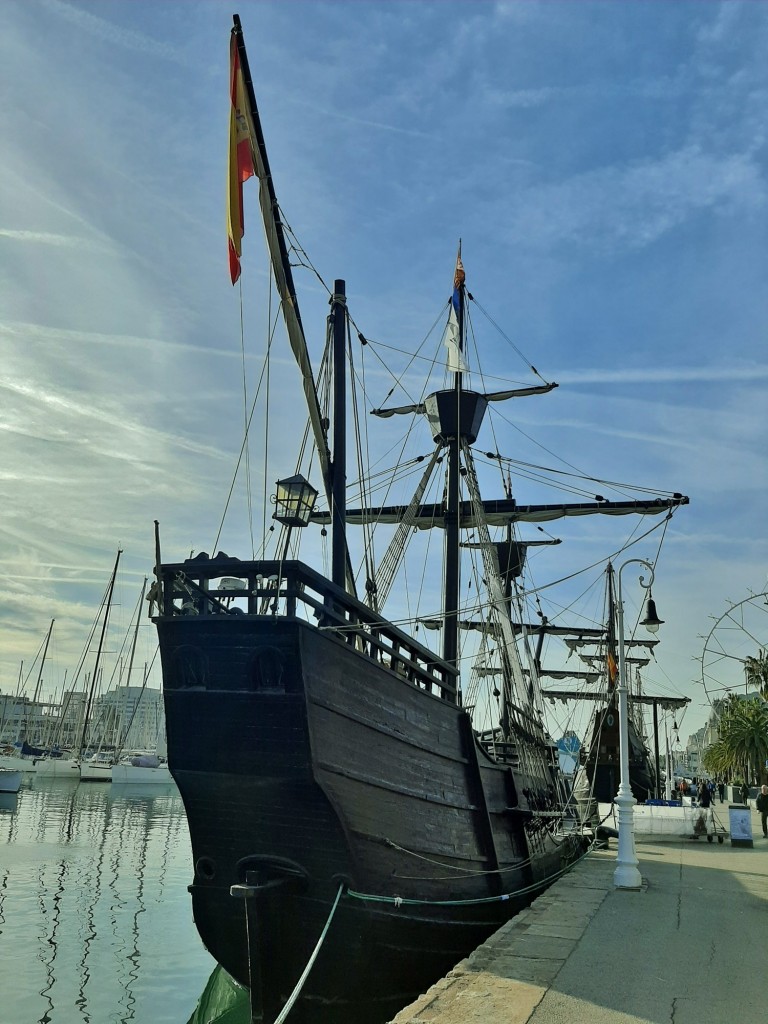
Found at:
<point>66,337</point>
<point>630,207</point>
<point>65,405</point>
<point>666,375</point>
<point>48,238</point>
<point>110,32</point>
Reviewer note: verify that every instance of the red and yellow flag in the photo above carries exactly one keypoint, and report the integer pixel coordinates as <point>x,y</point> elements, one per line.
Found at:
<point>240,158</point>
<point>613,669</point>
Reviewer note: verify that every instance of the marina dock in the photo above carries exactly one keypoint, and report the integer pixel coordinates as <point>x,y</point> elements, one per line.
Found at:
<point>686,947</point>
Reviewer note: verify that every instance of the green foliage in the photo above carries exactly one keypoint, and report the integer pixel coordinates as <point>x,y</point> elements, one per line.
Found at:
<point>757,672</point>
<point>716,760</point>
<point>742,746</point>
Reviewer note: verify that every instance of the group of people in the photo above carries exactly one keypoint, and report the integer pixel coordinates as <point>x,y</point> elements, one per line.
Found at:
<point>705,790</point>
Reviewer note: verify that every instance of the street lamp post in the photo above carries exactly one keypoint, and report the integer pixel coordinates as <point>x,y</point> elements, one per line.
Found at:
<point>627,874</point>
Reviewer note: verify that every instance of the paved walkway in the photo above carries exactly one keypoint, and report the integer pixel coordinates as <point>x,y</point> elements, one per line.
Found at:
<point>688,948</point>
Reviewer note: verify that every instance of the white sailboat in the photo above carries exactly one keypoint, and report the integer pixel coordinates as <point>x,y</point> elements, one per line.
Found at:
<point>21,756</point>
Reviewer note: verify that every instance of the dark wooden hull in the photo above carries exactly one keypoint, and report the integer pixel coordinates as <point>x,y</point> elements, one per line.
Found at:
<point>603,763</point>
<point>304,762</point>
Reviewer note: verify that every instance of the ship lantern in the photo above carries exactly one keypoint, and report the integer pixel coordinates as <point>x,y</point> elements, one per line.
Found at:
<point>294,501</point>
<point>651,620</point>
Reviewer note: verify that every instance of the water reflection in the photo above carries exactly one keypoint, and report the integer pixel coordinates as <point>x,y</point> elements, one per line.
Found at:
<point>8,802</point>
<point>95,918</point>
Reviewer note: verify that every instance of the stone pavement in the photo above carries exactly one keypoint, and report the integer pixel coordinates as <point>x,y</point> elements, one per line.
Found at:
<point>688,947</point>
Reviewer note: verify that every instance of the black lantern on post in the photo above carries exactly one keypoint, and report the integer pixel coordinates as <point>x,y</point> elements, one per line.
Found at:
<point>294,501</point>
<point>651,620</point>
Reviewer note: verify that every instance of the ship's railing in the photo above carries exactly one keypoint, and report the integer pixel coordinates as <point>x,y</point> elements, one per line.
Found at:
<point>225,586</point>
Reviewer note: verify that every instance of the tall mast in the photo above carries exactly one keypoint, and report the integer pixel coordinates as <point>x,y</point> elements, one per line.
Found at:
<point>453,505</point>
<point>36,694</point>
<point>338,466</point>
<point>95,675</point>
<point>123,735</point>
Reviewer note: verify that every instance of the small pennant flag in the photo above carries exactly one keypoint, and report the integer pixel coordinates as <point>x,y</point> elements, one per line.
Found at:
<point>240,159</point>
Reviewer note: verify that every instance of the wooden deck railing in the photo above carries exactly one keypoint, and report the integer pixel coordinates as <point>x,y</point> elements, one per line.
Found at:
<point>227,586</point>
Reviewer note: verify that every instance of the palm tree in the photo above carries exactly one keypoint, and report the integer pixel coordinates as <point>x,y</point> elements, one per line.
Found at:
<point>742,744</point>
<point>717,760</point>
<point>744,735</point>
<point>756,670</point>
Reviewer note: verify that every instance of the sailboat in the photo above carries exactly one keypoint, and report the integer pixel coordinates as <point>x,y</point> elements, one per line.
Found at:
<point>597,781</point>
<point>355,831</point>
<point>110,732</point>
<point>66,764</point>
<point>22,755</point>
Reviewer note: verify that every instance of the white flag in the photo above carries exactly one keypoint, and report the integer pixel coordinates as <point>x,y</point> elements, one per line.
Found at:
<point>456,362</point>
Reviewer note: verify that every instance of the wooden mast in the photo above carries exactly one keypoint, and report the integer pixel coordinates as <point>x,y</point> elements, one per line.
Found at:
<point>338,465</point>
<point>452,529</point>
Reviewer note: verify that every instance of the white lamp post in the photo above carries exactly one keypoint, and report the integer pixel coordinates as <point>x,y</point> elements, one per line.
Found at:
<point>627,874</point>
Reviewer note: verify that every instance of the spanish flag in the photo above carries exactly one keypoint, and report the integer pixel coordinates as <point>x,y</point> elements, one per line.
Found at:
<point>240,158</point>
<point>613,669</point>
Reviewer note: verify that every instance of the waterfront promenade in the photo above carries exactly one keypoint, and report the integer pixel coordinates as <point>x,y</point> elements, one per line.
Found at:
<point>688,947</point>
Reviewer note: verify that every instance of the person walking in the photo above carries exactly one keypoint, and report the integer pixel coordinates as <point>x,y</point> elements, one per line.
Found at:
<point>762,805</point>
<point>721,791</point>
<point>705,795</point>
<point>745,793</point>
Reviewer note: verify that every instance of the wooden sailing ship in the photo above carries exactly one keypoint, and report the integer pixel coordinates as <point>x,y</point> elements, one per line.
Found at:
<point>596,684</point>
<point>345,811</point>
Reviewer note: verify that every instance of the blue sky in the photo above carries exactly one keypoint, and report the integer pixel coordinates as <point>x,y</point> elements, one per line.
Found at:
<point>603,163</point>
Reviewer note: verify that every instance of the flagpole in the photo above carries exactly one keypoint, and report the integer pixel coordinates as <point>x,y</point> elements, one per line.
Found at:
<point>267,182</point>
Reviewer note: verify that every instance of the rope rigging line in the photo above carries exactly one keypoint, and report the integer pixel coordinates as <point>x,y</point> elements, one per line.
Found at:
<point>517,706</point>
<point>245,421</point>
<point>536,474</point>
<point>509,341</point>
<point>538,444</point>
<point>304,261</point>
<point>266,431</point>
<point>244,444</point>
<point>465,872</point>
<point>399,901</point>
<point>623,487</point>
<point>362,452</point>
<point>601,561</point>
<point>363,441</point>
<point>412,357</point>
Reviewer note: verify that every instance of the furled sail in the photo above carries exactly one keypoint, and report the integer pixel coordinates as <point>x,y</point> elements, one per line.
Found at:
<point>503,512</point>
<point>492,396</point>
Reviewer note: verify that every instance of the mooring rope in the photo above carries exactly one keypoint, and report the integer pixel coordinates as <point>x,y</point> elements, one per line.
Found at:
<point>399,901</point>
<point>300,983</point>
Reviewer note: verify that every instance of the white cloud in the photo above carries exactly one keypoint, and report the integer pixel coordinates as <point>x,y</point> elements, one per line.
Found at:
<point>615,208</point>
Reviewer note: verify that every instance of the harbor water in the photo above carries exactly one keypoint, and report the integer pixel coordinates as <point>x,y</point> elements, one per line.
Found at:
<point>95,918</point>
